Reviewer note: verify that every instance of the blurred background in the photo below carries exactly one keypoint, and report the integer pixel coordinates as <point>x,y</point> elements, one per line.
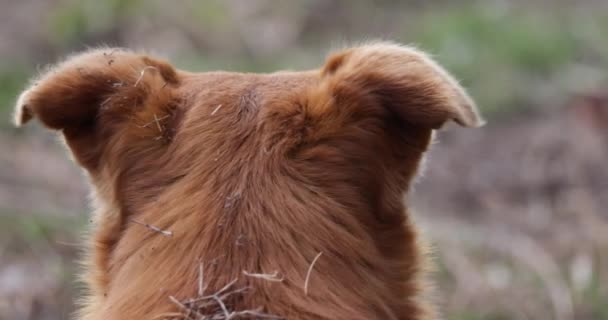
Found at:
<point>516,211</point>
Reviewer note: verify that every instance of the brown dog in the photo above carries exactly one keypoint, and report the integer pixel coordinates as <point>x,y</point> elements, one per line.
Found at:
<point>226,195</point>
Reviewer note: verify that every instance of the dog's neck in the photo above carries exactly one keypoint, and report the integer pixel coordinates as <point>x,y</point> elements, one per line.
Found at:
<point>240,233</point>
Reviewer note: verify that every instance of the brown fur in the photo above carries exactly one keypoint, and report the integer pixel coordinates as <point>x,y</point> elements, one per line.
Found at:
<point>255,173</point>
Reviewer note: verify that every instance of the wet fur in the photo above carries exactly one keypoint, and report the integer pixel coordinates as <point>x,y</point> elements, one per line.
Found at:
<point>252,172</point>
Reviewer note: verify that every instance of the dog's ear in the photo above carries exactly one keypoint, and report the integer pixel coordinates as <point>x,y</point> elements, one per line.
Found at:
<point>72,93</point>
<point>101,97</point>
<point>400,80</point>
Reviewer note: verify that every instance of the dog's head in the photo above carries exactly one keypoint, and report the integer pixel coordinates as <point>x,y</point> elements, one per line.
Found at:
<point>121,112</point>
<point>328,153</point>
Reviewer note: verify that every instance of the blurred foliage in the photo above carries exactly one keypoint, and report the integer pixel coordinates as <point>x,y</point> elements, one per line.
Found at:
<point>507,56</point>
<point>12,80</point>
<point>511,57</point>
<point>475,316</point>
<point>69,24</point>
<point>597,297</point>
<point>37,227</point>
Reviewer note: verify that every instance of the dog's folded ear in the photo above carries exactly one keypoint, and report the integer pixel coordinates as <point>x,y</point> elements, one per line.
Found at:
<point>71,93</point>
<point>403,81</point>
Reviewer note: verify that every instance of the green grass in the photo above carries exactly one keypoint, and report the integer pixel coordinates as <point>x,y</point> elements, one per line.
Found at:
<point>468,315</point>
<point>596,296</point>
<point>33,228</point>
<point>69,24</point>
<point>12,80</point>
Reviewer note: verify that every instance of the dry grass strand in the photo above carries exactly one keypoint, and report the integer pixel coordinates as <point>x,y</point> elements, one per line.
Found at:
<point>307,280</point>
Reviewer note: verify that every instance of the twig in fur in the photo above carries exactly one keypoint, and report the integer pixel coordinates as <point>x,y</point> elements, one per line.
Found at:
<point>222,305</point>
<point>156,120</point>
<point>216,109</point>
<point>215,306</point>
<point>160,129</point>
<point>266,276</point>
<point>226,287</point>
<point>153,228</point>
<point>224,296</point>
<point>255,313</point>
<point>306,281</point>
<point>170,315</point>
<point>106,101</point>
<point>201,288</point>
<point>182,307</point>
<point>142,72</point>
